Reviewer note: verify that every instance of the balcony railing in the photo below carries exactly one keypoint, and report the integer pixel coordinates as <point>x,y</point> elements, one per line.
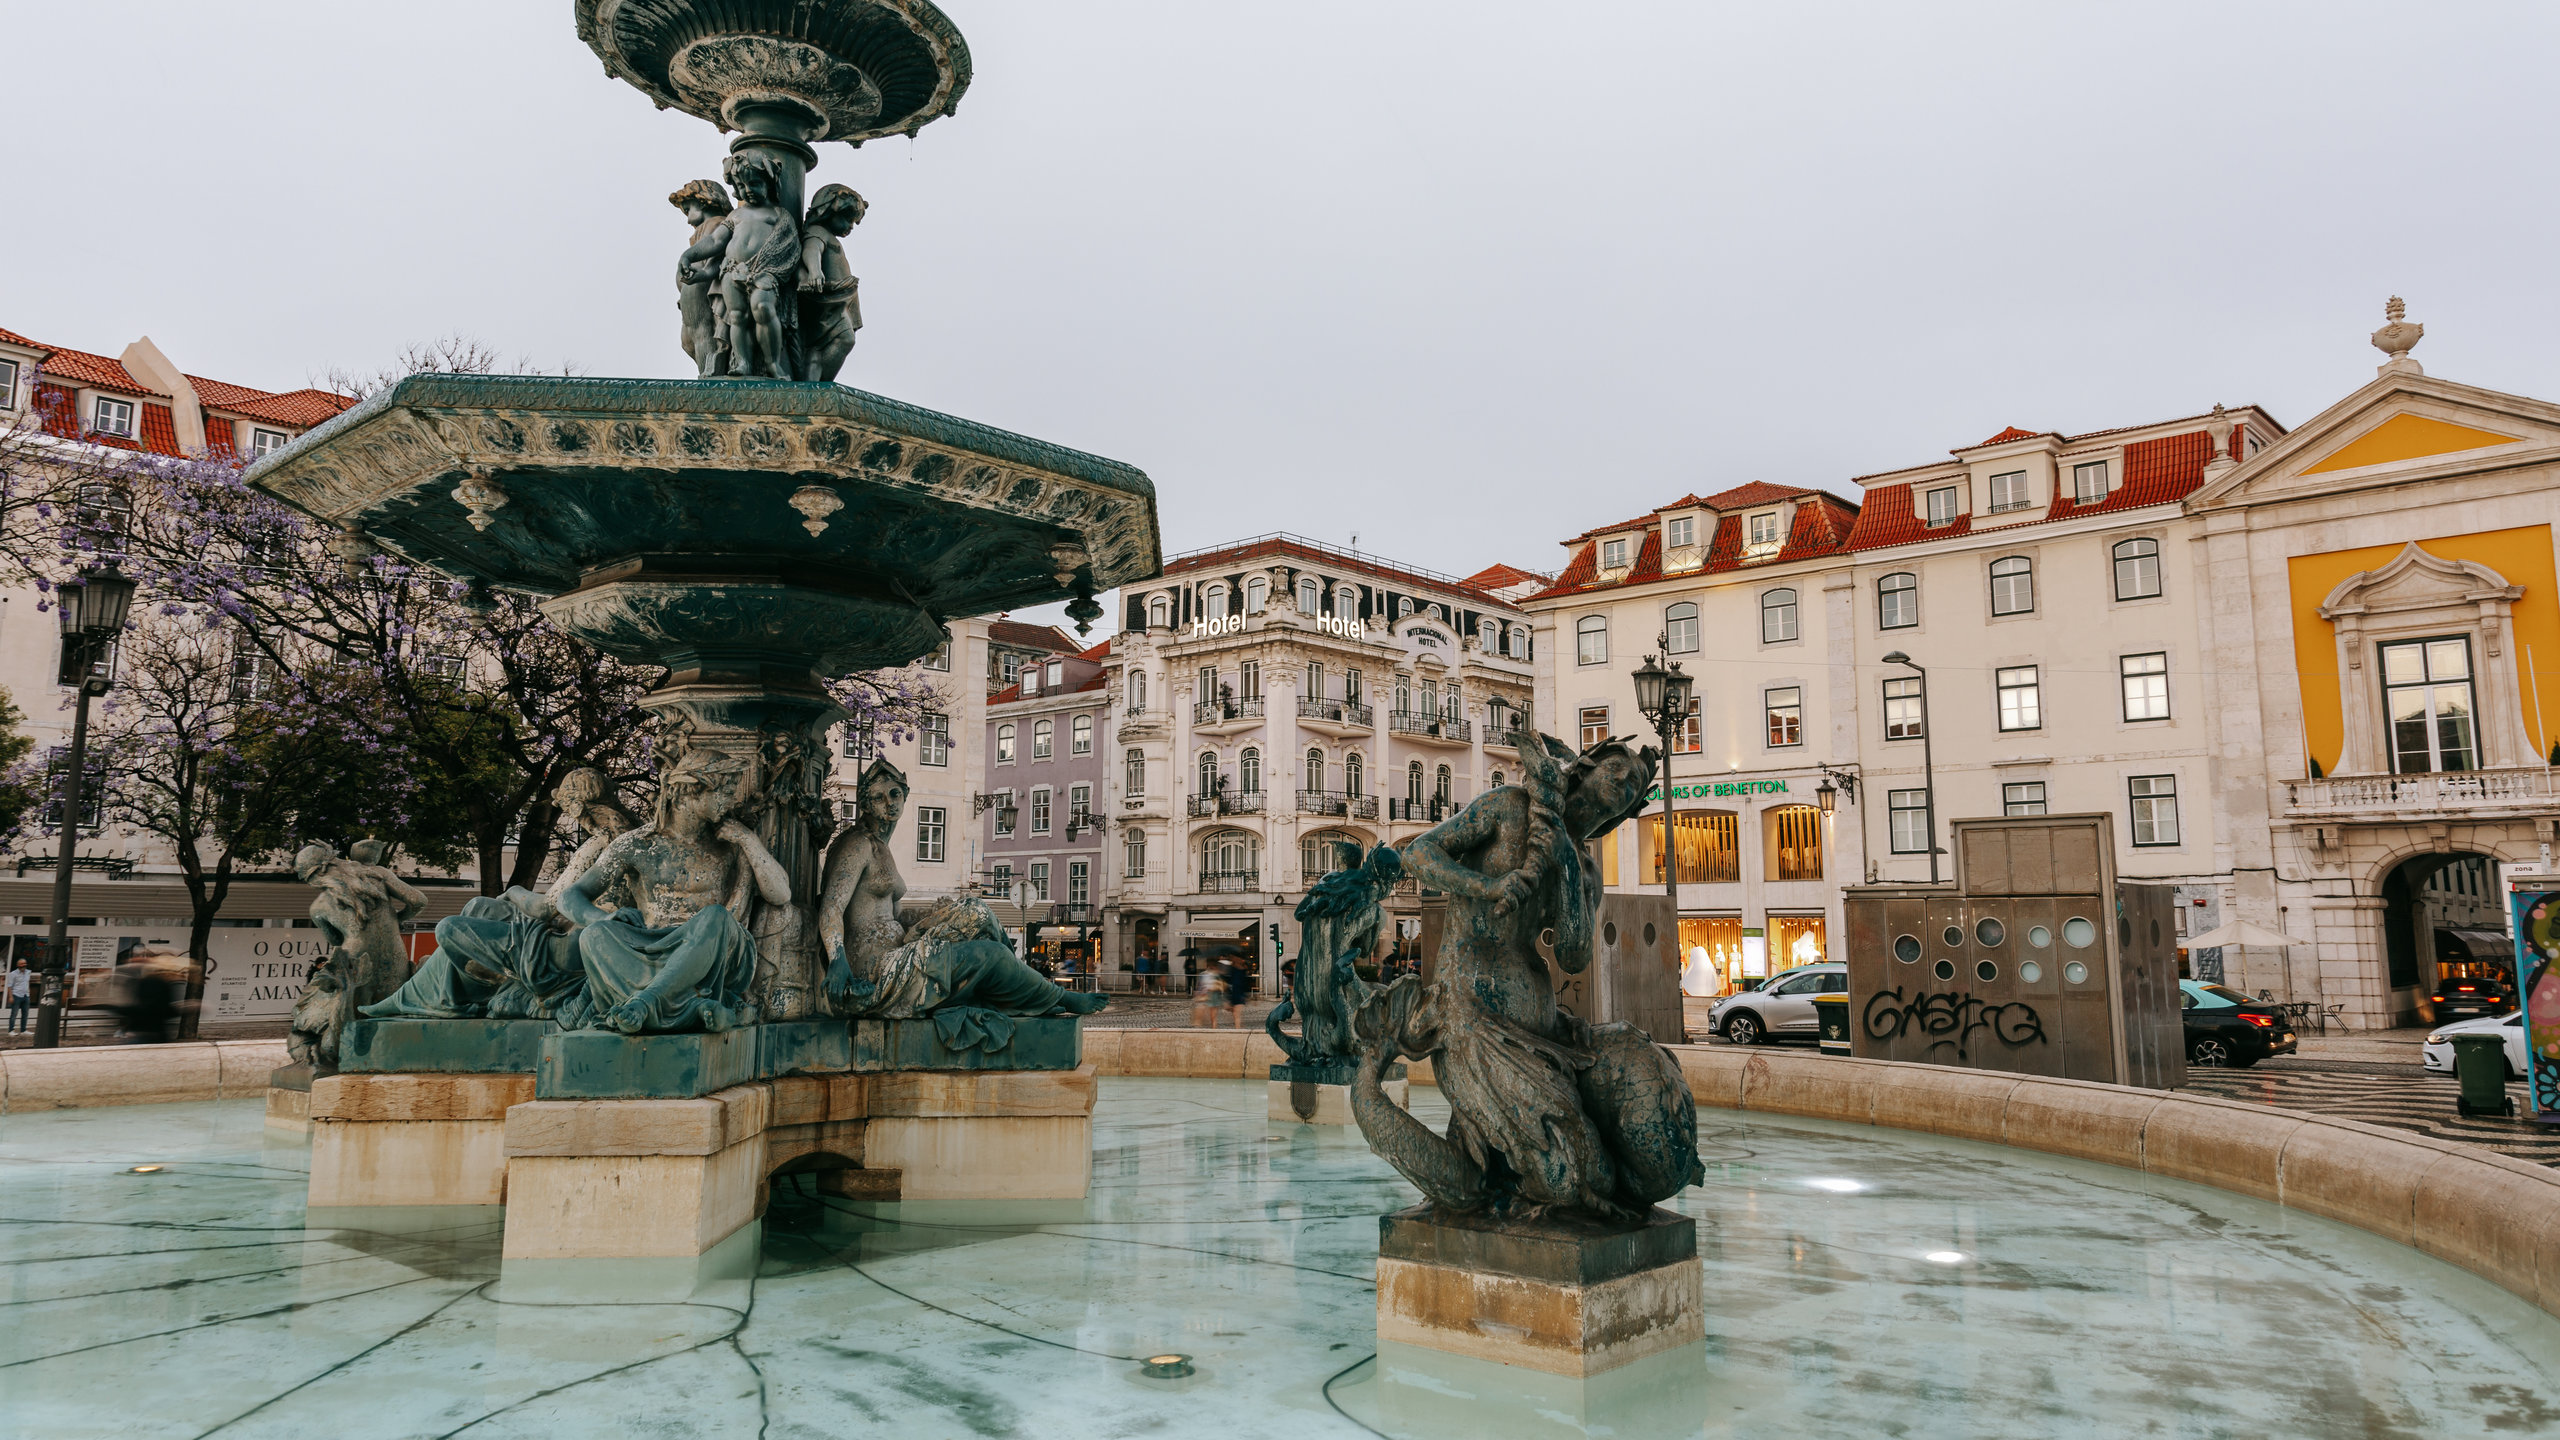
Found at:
<point>1509,737</point>
<point>1336,802</point>
<point>1221,712</point>
<point>1414,722</point>
<point>1069,912</point>
<point>1341,712</point>
<point>1247,804</point>
<point>1230,882</point>
<point>1428,811</point>
<point>2447,792</point>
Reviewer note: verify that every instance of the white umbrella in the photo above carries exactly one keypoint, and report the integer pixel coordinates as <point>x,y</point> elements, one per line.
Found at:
<point>2240,932</point>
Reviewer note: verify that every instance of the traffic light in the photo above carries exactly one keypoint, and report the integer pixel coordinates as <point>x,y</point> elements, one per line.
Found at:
<point>1275,939</point>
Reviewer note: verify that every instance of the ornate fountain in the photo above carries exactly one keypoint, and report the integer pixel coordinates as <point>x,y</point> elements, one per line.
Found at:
<point>754,529</point>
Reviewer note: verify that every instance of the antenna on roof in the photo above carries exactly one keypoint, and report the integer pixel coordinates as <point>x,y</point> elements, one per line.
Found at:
<point>1355,539</point>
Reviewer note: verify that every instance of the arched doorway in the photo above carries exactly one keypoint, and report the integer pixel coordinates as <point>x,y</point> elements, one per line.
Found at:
<point>2444,925</point>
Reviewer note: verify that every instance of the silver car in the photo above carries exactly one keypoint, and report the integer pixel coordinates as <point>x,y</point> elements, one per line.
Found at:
<point>2438,1052</point>
<point>1781,1009</point>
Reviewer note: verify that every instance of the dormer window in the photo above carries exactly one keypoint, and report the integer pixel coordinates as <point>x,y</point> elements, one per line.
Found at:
<point>1159,612</point>
<point>262,441</point>
<point>1682,534</point>
<point>1760,536</point>
<point>2089,483</point>
<point>1309,595</point>
<point>2008,492</point>
<point>1942,506</point>
<point>1613,554</point>
<point>8,384</point>
<point>113,417</point>
<point>1214,601</point>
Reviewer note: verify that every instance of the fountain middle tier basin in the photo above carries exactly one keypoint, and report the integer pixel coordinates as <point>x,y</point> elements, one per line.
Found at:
<point>1857,1282</point>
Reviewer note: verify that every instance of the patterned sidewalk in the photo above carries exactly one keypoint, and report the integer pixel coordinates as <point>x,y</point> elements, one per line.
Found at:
<point>2400,1096</point>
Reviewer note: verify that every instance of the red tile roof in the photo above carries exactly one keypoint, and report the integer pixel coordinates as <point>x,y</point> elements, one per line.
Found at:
<point>1758,492</point>
<point>159,429</point>
<point>1498,577</point>
<point>1098,653</point>
<point>1639,523</point>
<point>1325,560</point>
<point>1892,517</point>
<point>2156,472</point>
<point>2004,437</point>
<point>14,338</point>
<point>1822,526</point>
<point>1040,637</point>
<point>95,371</point>
<point>299,408</point>
<point>225,395</point>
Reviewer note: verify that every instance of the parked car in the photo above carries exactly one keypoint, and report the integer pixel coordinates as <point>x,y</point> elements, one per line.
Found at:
<point>2227,1028</point>
<point>1781,1009</point>
<point>2460,995</point>
<point>2438,1051</point>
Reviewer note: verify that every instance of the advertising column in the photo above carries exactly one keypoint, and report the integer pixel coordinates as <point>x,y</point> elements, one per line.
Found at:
<point>2534,908</point>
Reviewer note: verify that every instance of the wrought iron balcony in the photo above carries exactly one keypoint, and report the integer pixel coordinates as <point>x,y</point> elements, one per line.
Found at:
<point>1068,912</point>
<point>1429,726</point>
<point>1227,804</point>
<point>2451,792</point>
<point>1426,811</point>
<point>1509,737</point>
<point>1336,802</point>
<point>1339,712</point>
<point>1230,882</point>
<point>1226,712</point>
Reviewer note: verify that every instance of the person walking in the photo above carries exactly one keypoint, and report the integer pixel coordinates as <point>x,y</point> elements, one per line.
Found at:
<point>22,985</point>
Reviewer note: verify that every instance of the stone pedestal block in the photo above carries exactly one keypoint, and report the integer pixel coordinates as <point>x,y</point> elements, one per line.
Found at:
<point>608,1065</point>
<point>289,1099</point>
<point>1566,1298</point>
<point>660,1178</point>
<point>1306,1103</point>
<point>450,1047</point>
<point>1054,1042</point>
<point>411,1139</point>
<point>1000,1135</point>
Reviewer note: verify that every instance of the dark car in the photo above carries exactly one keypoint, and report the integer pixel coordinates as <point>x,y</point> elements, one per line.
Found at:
<point>2227,1028</point>
<point>2461,997</point>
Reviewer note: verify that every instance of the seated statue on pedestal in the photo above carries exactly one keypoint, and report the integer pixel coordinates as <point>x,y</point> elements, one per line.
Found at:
<point>358,913</point>
<point>1547,1113</point>
<point>955,957</point>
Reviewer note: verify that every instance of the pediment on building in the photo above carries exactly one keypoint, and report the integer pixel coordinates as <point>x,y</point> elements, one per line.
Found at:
<point>2402,426</point>
<point>2415,580</point>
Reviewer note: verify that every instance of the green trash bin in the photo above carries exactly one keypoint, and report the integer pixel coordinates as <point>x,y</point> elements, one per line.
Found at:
<point>1832,1011</point>
<point>2480,1066</point>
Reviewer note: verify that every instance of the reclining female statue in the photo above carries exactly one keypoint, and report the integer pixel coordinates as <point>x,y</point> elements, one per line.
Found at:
<point>956,956</point>
<point>1547,1113</point>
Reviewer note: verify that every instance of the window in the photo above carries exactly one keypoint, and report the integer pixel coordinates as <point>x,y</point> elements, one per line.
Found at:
<point>1898,601</point>
<point>1315,680</point>
<point>1351,691</point>
<point>1137,692</point>
<point>861,742</point>
<point>1682,534</point>
<point>1310,595</point>
<point>1057,673</point>
<point>2427,701</point>
<point>2146,686</point>
<point>1249,771</point>
<point>1346,602</point>
<point>2013,585</point>
<point>1004,744</point>
<point>1519,643</point>
<point>1909,822</point>
<point>1249,680</point>
<point>1352,774</point>
<point>1257,594</point>
<point>1595,725</point>
<point>1413,783</point>
<point>1591,640</point>
<point>1079,882</point>
<point>2089,483</point>
<point>1030,680</point>
<point>1704,844</point>
<point>9,385</point>
<point>1232,854</point>
<point>1452,707</point>
<point>104,510</point>
<point>1159,612</point>
<point>1795,841</point>
<point>1404,607</point>
<point>445,667</point>
<point>2137,569</point>
<point>1786,715</point>
<point>1007,813</point>
<point>1009,666</point>
<point>113,417</point>
<point>1320,854</point>
<point>1613,554</point>
<point>1000,880</point>
<point>262,441</point>
<point>1040,810</point>
<point>1489,636</point>
<point>1080,736</point>
<point>1777,617</point>
<point>1762,533</point>
<point>1036,888</point>
<point>1902,709</point>
<point>57,768</point>
<point>931,821</point>
<point>1680,629</point>
<point>1208,684</point>
<point>2022,799</point>
<point>1133,854</point>
<point>1440,785</point>
<point>2009,492</point>
<point>1213,602</point>
<point>1942,506</point>
<point>1133,764</point>
<point>1208,773</point>
<point>1080,805</point>
<point>253,672</point>
<point>1404,695</point>
<point>1314,779</point>
<point>1496,782</point>
<point>1689,737</point>
<point>933,739</point>
<point>2155,809</point>
<point>940,659</point>
<point>2021,703</point>
<point>1044,738</point>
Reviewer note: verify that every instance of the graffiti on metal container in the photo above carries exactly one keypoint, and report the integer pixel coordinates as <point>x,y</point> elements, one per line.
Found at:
<point>1950,1019</point>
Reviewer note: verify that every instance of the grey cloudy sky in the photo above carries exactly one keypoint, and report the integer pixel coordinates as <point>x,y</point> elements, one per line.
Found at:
<point>1464,276</point>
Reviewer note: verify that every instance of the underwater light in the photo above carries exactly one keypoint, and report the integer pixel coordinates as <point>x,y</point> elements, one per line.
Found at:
<point>1166,1367</point>
<point>1837,1187</point>
<point>144,1170</point>
<point>1945,1257</point>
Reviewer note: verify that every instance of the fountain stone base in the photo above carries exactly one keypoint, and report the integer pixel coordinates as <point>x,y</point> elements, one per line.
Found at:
<point>1556,1295</point>
<point>1319,1092</point>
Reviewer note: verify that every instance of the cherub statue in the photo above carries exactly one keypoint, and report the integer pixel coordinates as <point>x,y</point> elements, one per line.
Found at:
<point>830,296</point>
<point>1338,928</point>
<point>684,958</point>
<point>1546,1112</point>
<point>759,271</point>
<point>358,913</point>
<point>955,956</point>
<point>698,301</point>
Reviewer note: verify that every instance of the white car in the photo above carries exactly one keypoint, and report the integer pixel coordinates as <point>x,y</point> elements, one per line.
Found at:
<point>1782,1009</point>
<point>2439,1048</point>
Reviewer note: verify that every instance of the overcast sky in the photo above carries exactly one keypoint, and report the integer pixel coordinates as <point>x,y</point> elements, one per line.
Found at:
<point>1464,277</point>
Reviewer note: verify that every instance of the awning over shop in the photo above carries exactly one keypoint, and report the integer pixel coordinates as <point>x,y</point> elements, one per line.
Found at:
<point>2489,946</point>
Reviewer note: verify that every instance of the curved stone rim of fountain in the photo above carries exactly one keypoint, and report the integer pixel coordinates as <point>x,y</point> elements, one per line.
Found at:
<point>894,44</point>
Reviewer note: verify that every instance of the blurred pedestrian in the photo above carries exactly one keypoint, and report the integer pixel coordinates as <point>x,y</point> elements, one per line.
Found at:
<point>21,993</point>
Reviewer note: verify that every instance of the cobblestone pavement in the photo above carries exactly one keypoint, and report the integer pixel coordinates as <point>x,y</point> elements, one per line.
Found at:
<point>2402,1096</point>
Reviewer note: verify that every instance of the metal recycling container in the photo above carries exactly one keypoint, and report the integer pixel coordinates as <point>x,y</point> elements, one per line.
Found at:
<point>1832,1013</point>
<point>2480,1064</point>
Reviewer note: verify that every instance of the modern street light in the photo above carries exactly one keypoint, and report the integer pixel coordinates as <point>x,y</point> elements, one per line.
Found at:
<point>1663,696</point>
<point>1928,767</point>
<point>92,610</point>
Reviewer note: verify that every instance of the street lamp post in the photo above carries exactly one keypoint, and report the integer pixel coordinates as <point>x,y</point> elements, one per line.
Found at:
<point>1928,766</point>
<point>1663,695</point>
<point>92,610</point>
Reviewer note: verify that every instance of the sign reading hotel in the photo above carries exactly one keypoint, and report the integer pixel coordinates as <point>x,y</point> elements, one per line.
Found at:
<point>1352,628</point>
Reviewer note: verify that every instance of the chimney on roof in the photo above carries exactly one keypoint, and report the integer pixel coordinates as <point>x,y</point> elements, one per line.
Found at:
<point>2397,338</point>
<point>144,362</point>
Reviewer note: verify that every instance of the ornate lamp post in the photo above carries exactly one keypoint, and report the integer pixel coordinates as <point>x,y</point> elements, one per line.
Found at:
<point>92,612</point>
<point>1928,767</point>
<point>1663,695</point>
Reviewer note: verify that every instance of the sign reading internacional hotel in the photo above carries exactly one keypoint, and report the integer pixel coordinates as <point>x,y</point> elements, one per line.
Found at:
<point>1729,787</point>
<point>1353,628</point>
